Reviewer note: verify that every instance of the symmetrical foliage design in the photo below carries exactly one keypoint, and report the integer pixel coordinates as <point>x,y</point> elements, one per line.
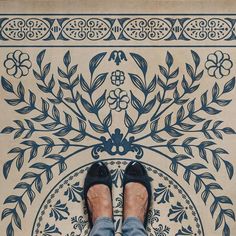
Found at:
<point>166,110</point>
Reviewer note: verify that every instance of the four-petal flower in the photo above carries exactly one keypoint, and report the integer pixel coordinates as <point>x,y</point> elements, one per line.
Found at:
<point>117,77</point>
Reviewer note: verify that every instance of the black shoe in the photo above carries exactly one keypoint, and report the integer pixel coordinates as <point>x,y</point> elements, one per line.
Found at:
<point>98,173</point>
<point>136,172</point>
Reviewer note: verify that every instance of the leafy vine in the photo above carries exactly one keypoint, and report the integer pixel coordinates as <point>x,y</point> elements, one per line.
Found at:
<point>70,91</point>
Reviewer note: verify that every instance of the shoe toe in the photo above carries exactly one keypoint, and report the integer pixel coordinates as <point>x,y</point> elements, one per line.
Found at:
<point>98,169</point>
<point>136,169</point>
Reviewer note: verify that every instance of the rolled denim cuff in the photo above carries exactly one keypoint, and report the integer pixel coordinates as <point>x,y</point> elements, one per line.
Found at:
<point>133,219</point>
<point>103,226</point>
<point>103,219</point>
<point>133,226</point>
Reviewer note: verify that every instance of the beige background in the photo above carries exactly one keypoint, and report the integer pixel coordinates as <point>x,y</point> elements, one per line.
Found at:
<point>154,57</point>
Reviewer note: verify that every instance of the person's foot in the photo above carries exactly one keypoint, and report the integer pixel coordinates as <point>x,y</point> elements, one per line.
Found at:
<point>99,201</point>
<point>97,192</point>
<point>137,192</point>
<point>135,201</point>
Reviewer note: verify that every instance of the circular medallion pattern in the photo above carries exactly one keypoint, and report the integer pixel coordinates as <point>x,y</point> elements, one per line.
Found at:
<point>63,212</point>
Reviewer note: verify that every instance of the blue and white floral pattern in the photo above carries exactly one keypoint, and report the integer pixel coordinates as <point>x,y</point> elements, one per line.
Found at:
<point>163,194</point>
<point>17,64</point>
<point>117,57</point>
<point>117,77</point>
<point>218,64</point>
<point>161,230</point>
<point>118,99</point>
<point>177,213</point>
<point>163,112</point>
<point>59,211</point>
<point>78,224</point>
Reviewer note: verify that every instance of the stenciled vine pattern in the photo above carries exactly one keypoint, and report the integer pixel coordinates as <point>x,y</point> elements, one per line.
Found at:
<point>166,110</point>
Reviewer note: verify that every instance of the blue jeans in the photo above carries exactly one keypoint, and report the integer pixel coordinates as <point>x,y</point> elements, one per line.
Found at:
<point>104,226</point>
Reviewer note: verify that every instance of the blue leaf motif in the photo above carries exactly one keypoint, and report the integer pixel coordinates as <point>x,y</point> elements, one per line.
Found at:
<point>128,120</point>
<point>10,230</point>
<point>196,58</point>
<point>67,59</point>
<point>100,102</point>
<point>6,168</point>
<point>140,61</point>
<point>229,86</point>
<point>97,128</point>
<point>98,81</point>
<point>95,61</point>
<point>137,81</point>
<point>138,128</point>
<point>7,85</point>
<point>169,59</point>
<point>40,57</point>
<point>108,120</point>
<point>84,84</point>
<point>136,103</point>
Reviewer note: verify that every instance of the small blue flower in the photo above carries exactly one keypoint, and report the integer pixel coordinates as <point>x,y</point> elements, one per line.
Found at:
<point>59,211</point>
<point>50,230</point>
<point>185,231</point>
<point>74,192</point>
<point>17,64</point>
<point>218,64</point>
<point>163,193</point>
<point>79,223</point>
<point>178,213</point>
<point>117,77</point>
<point>161,230</point>
<point>117,56</point>
<point>118,99</point>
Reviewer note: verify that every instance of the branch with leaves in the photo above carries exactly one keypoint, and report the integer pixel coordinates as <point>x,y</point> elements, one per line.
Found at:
<point>57,126</point>
<point>48,87</point>
<point>187,87</point>
<point>178,128</point>
<point>70,84</point>
<point>95,107</point>
<point>141,107</point>
<point>200,184</point>
<point>37,183</point>
<point>203,149</point>
<point>32,148</point>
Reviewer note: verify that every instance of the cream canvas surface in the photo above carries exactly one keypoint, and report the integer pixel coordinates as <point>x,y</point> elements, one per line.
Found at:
<point>116,81</point>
